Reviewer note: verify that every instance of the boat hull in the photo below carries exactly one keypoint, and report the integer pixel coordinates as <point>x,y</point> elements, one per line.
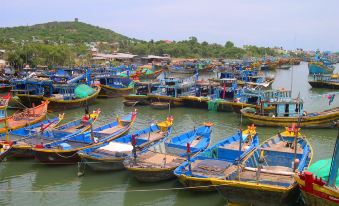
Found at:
<point>255,195</point>
<point>103,165</point>
<point>313,200</point>
<point>141,99</point>
<point>62,157</point>
<point>175,102</point>
<point>28,100</point>
<point>318,195</point>
<point>152,175</point>
<point>195,102</point>
<point>21,152</point>
<point>322,84</point>
<point>321,121</point>
<point>58,105</point>
<point>110,92</point>
<point>315,68</point>
<point>197,184</point>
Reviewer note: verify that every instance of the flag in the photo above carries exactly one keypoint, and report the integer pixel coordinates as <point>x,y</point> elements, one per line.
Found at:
<point>330,99</point>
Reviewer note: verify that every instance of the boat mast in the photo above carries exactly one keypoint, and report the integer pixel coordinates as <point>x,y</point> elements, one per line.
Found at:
<point>296,132</point>
<point>335,164</point>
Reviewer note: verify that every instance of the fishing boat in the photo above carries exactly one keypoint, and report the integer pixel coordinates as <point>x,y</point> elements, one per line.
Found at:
<point>65,150</point>
<point>287,111</point>
<point>216,160</point>
<point>266,175</point>
<point>61,96</point>
<point>142,89</point>
<point>110,155</point>
<point>172,89</point>
<point>46,132</point>
<point>320,184</point>
<point>146,74</point>
<point>159,161</point>
<point>325,81</point>
<point>28,116</point>
<point>320,68</point>
<point>115,86</point>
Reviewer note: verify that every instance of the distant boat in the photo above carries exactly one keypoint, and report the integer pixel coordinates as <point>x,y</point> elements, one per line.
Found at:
<point>216,160</point>
<point>110,155</point>
<point>114,86</point>
<point>64,151</point>
<point>266,176</point>
<point>158,162</point>
<point>60,96</point>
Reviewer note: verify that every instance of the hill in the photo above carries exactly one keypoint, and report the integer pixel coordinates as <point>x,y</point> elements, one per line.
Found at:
<point>62,32</point>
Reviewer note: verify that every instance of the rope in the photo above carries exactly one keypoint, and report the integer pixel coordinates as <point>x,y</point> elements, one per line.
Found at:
<point>113,191</point>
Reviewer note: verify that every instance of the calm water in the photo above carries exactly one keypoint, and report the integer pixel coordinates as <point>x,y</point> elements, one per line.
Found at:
<point>26,182</point>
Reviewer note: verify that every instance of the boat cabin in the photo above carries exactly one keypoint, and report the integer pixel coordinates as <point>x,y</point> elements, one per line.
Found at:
<point>144,88</point>
<point>175,87</point>
<point>115,81</point>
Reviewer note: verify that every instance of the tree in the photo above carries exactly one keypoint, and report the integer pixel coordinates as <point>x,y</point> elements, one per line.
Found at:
<point>229,44</point>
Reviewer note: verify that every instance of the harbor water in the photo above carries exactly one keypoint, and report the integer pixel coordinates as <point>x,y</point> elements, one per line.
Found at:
<point>27,182</point>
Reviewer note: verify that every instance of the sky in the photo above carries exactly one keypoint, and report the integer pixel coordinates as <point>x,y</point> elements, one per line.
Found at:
<point>307,24</point>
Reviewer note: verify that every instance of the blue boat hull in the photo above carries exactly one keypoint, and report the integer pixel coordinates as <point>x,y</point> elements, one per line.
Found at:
<point>317,69</point>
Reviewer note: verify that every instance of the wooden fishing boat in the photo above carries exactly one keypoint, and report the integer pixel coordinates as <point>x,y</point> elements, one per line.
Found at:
<point>266,175</point>
<point>216,160</point>
<point>280,118</point>
<point>115,86</point>
<point>60,96</point>
<point>130,103</point>
<point>320,184</point>
<point>142,89</point>
<point>64,151</point>
<point>47,132</point>
<point>325,81</point>
<point>160,105</point>
<point>146,74</point>
<point>172,89</point>
<point>320,68</point>
<point>159,161</point>
<point>110,155</point>
<point>57,104</point>
<point>27,116</point>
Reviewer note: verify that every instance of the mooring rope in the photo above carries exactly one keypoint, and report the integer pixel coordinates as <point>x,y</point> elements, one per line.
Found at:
<point>115,191</point>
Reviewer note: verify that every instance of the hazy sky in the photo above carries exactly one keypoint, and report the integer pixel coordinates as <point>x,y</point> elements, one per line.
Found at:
<point>308,24</point>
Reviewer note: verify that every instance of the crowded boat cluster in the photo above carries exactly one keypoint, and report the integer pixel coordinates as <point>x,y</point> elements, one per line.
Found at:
<point>277,171</point>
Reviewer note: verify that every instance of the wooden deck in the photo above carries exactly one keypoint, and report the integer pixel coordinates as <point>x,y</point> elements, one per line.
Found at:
<point>159,160</point>
<point>210,167</point>
<point>235,146</point>
<point>251,176</point>
<point>282,147</point>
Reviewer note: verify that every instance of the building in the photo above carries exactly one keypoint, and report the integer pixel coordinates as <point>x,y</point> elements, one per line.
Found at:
<point>2,57</point>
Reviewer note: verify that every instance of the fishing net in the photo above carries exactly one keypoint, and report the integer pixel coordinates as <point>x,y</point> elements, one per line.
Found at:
<point>83,91</point>
<point>322,168</point>
<point>213,104</point>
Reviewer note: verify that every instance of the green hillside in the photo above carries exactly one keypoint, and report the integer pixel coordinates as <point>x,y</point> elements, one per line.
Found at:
<point>61,32</point>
